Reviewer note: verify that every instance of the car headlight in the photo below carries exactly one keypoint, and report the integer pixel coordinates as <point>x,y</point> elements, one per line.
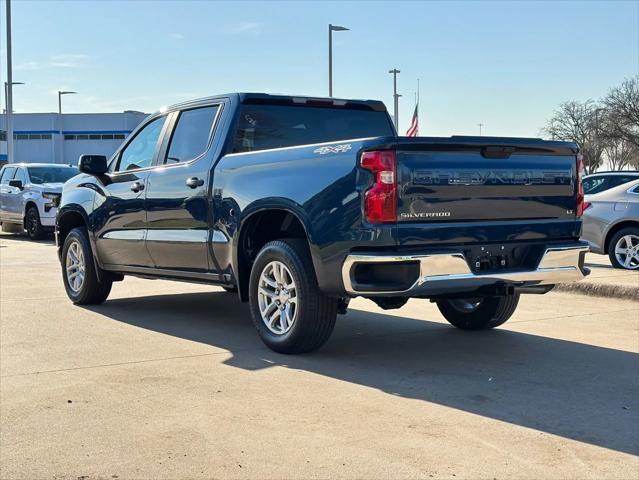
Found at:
<point>54,197</point>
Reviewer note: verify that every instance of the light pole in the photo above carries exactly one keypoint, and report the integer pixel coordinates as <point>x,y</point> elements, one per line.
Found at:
<point>60,136</point>
<point>9,114</point>
<point>394,71</point>
<point>480,125</point>
<point>9,91</point>
<point>331,29</point>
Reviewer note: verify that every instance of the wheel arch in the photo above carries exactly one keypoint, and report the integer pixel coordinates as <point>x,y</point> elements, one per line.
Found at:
<point>28,204</point>
<point>68,218</point>
<point>260,226</point>
<point>616,228</point>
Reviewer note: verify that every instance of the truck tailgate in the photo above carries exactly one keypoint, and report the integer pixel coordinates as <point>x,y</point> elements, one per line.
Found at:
<point>468,186</point>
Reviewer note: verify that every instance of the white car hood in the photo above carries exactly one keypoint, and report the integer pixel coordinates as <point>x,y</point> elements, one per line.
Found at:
<point>48,187</point>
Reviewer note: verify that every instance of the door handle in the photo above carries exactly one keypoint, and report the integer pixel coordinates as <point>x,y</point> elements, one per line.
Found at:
<point>137,186</point>
<point>194,182</point>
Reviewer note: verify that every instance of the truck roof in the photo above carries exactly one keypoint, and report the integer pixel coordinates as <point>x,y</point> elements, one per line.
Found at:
<point>27,164</point>
<point>277,99</point>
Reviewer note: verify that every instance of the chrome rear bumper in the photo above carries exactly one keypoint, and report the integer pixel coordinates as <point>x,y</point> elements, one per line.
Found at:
<point>449,272</point>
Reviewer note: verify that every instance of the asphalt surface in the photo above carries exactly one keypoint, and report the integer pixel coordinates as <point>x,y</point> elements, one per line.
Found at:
<point>169,380</point>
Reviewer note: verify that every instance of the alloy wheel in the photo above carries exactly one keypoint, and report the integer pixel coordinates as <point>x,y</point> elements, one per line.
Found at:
<point>627,251</point>
<point>32,223</point>
<point>277,298</point>
<point>75,266</point>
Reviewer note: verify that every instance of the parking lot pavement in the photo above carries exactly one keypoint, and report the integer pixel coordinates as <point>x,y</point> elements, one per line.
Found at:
<point>602,271</point>
<point>605,280</point>
<point>169,380</point>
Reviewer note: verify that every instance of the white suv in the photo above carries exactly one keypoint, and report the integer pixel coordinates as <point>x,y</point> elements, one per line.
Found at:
<point>29,196</point>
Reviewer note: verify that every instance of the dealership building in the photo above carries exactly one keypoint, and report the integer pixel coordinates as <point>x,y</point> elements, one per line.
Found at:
<point>51,138</point>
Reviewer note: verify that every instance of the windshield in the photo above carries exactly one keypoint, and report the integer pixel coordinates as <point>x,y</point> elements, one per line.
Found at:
<point>40,175</point>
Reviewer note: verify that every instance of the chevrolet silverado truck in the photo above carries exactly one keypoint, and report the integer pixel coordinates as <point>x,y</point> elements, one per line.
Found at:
<point>29,195</point>
<point>299,204</point>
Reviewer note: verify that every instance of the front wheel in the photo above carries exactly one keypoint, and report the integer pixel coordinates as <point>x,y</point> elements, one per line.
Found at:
<point>32,224</point>
<point>478,313</point>
<point>78,271</point>
<point>290,312</point>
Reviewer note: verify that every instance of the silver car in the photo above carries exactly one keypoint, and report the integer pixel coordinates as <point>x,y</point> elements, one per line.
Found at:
<point>611,224</point>
<point>29,196</point>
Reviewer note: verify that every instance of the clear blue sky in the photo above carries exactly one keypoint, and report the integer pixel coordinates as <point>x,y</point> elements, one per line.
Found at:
<point>505,64</point>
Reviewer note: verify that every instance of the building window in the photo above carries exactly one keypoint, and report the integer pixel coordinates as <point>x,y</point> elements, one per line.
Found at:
<point>3,136</point>
<point>31,136</point>
<point>94,136</point>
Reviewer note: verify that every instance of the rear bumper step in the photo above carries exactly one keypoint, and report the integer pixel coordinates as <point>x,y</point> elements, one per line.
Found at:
<point>433,274</point>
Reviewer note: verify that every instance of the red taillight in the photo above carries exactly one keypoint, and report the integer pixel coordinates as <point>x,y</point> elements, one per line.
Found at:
<point>380,201</point>
<point>580,186</point>
<point>587,205</point>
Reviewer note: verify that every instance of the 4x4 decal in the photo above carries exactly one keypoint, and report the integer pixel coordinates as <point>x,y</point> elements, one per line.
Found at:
<point>333,149</point>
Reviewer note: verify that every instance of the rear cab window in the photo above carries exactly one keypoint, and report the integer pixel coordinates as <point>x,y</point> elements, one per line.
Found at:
<point>262,127</point>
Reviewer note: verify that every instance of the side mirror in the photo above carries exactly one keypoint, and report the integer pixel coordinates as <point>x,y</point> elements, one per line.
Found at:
<point>93,164</point>
<point>16,184</point>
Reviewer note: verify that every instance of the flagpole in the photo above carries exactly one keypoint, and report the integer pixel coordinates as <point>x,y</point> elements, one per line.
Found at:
<point>417,105</point>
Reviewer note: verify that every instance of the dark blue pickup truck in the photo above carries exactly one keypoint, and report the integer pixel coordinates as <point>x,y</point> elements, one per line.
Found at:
<point>299,204</point>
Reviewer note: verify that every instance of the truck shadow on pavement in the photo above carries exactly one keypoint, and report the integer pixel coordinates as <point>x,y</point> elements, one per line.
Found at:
<point>22,237</point>
<point>574,390</point>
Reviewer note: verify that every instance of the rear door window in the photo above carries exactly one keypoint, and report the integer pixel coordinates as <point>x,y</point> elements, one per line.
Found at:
<point>191,135</point>
<point>261,127</point>
<point>7,174</point>
<point>595,184</point>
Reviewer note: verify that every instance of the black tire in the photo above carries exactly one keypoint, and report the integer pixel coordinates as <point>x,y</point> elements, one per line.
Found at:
<point>32,224</point>
<point>92,291</point>
<point>478,313</point>
<point>232,289</point>
<point>612,243</point>
<point>315,312</point>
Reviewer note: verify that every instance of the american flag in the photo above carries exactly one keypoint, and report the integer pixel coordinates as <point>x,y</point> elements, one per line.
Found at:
<point>413,130</point>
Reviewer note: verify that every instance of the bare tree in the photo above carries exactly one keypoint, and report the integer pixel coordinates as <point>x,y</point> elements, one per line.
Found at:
<point>622,104</point>
<point>620,154</point>
<point>580,122</point>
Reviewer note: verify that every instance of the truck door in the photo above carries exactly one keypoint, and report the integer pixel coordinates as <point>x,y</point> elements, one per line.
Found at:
<point>120,215</point>
<point>177,197</point>
<point>8,194</point>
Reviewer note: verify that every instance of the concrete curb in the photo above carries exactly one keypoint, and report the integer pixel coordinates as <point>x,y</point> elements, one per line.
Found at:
<point>607,290</point>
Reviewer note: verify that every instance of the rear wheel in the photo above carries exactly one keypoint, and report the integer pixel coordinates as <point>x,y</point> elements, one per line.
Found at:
<point>478,313</point>
<point>78,271</point>
<point>623,249</point>
<point>32,224</point>
<point>290,312</point>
